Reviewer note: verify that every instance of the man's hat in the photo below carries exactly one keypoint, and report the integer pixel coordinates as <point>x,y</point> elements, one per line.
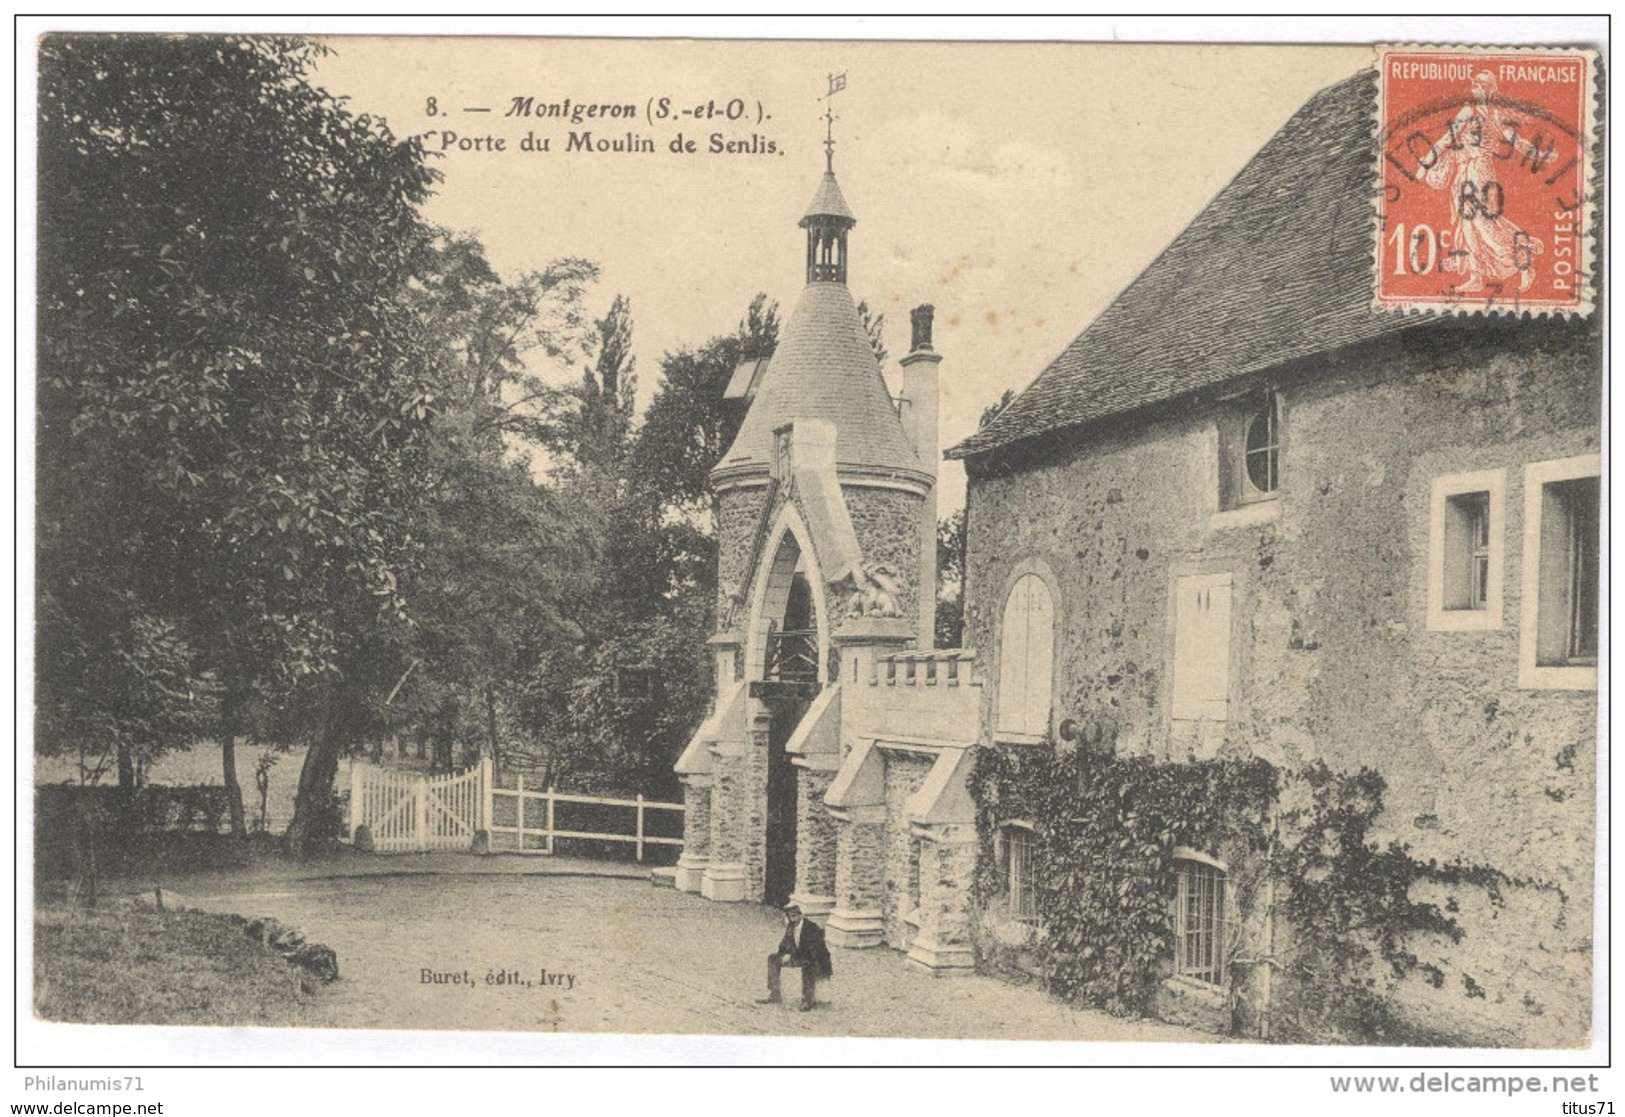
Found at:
<point>792,907</point>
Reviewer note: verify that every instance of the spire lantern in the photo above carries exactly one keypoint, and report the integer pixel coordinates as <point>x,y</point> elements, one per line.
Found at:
<point>828,219</point>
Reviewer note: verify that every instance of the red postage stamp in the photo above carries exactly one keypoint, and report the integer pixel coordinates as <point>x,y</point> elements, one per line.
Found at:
<point>1487,186</point>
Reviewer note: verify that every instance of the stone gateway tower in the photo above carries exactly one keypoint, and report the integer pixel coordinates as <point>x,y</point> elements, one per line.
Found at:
<point>826,524</point>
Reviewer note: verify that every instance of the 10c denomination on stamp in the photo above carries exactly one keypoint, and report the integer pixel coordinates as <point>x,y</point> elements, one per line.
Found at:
<point>1487,190</point>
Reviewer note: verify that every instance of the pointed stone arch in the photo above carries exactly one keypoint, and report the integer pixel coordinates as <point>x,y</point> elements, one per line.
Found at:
<point>791,546</point>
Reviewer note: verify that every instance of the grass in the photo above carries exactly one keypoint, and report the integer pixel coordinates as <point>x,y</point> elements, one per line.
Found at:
<point>133,965</point>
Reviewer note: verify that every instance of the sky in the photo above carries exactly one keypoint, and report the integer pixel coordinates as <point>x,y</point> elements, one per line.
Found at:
<point>1017,187</point>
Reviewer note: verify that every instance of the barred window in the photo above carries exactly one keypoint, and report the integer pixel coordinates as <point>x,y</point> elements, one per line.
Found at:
<point>1018,874</point>
<point>1199,914</point>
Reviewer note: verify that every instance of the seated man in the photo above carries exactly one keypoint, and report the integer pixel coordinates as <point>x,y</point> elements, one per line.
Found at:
<point>803,948</point>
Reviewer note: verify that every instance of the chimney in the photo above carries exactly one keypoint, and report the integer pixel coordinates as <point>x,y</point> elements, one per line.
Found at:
<point>920,318</point>
<point>919,414</point>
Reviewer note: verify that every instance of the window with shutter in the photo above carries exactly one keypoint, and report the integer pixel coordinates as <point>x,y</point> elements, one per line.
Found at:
<point>1201,672</point>
<point>1026,658</point>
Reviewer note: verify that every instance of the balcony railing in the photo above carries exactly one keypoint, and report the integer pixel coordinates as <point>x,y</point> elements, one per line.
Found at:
<point>792,655</point>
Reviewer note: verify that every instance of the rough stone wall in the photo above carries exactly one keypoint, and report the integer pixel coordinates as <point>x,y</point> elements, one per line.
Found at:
<point>945,883</point>
<point>737,514</point>
<point>1334,659</point>
<point>727,840</point>
<point>904,775</point>
<point>738,810</point>
<point>815,835</point>
<point>751,809</point>
<point>860,866</point>
<point>887,523</point>
<point>696,820</point>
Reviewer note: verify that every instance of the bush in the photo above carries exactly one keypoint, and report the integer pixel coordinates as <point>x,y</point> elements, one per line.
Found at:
<point>83,831</point>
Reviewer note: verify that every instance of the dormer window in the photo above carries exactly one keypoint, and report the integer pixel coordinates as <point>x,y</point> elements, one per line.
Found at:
<point>1250,450</point>
<point>1263,437</point>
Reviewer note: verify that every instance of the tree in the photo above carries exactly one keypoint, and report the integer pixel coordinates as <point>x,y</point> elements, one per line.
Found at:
<point>503,558</point>
<point>875,326</point>
<point>641,680</point>
<point>688,426</point>
<point>950,626</point>
<point>226,365</point>
<point>991,412</point>
<point>607,393</point>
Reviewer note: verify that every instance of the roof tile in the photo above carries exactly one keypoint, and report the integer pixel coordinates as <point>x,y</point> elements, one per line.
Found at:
<point>825,368</point>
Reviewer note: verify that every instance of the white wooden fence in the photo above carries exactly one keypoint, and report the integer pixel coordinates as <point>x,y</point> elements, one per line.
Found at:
<point>405,812</point>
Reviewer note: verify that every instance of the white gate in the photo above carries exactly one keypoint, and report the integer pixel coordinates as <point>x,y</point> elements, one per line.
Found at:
<point>408,813</point>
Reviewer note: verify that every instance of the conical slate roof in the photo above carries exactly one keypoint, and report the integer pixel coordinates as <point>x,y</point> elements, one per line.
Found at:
<point>824,368</point>
<point>828,202</point>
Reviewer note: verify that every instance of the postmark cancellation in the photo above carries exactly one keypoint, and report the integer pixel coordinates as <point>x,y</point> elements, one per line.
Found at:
<point>1487,164</point>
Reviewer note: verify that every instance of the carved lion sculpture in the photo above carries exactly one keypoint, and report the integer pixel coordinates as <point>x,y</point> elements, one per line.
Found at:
<point>874,592</point>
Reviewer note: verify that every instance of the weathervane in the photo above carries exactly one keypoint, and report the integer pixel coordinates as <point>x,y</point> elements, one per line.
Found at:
<point>837,82</point>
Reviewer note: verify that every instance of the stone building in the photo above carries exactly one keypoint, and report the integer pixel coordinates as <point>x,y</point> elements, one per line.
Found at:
<point>1244,514</point>
<point>831,768</point>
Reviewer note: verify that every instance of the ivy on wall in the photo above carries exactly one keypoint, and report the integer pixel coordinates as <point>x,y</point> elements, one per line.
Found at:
<point>1105,833</point>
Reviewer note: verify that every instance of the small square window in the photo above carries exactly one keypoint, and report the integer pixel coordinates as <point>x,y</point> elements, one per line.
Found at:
<point>1465,551</point>
<point>1558,642</point>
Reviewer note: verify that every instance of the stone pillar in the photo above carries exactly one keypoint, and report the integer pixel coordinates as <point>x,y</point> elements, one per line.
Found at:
<point>943,944</point>
<point>860,860</point>
<point>724,875</point>
<point>696,833</point>
<point>816,842</point>
<point>753,802</point>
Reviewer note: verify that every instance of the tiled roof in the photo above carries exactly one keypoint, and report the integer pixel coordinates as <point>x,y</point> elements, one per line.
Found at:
<point>828,202</point>
<point>1276,268</point>
<point>824,368</point>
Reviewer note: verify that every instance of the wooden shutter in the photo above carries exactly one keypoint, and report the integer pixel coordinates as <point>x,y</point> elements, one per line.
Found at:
<point>1040,657</point>
<point>1202,648</point>
<point>1026,653</point>
<point>1013,656</point>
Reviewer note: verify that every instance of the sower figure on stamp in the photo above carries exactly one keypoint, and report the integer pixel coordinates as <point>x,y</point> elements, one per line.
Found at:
<point>801,948</point>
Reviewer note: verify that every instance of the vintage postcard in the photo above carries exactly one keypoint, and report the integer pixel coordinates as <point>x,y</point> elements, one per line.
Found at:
<point>1001,541</point>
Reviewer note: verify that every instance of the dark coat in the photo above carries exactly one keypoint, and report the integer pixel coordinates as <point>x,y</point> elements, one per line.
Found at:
<point>812,950</point>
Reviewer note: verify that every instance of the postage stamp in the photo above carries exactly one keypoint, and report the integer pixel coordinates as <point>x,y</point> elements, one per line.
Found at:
<point>1487,179</point>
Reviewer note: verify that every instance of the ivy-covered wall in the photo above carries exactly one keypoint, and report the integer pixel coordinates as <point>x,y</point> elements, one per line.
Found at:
<point>1312,896</point>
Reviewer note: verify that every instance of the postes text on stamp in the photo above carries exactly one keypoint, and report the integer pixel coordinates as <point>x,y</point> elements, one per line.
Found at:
<point>1486,190</point>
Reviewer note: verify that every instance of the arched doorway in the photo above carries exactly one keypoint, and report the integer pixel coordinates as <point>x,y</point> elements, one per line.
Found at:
<point>785,674</point>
